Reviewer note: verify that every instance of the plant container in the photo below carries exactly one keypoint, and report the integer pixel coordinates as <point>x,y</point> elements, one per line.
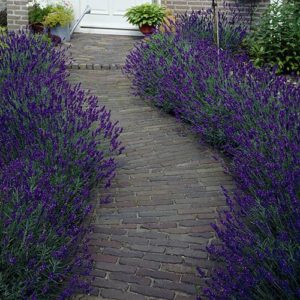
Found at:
<point>147,29</point>
<point>37,28</point>
<point>62,32</point>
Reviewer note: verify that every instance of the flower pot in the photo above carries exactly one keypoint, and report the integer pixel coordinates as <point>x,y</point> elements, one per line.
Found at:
<point>62,32</point>
<point>37,28</point>
<point>147,29</point>
<point>55,40</point>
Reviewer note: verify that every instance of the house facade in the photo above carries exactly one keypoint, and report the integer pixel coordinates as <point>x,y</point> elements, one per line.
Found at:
<point>107,15</point>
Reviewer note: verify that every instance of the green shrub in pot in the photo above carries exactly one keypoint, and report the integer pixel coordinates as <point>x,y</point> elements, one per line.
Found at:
<point>59,15</point>
<point>37,14</point>
<point>59,20</point>
<point>149,15</point>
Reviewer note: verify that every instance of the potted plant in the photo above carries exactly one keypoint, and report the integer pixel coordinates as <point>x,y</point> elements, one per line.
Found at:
<point>36,17</point>
<point>146,16</point>
<point>58,21</point>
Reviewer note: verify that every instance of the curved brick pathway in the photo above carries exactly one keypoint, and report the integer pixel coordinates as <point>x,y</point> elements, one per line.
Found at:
<point>149,240</point>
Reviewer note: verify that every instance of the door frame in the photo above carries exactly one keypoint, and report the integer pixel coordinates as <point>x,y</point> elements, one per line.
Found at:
<point>78,7</point>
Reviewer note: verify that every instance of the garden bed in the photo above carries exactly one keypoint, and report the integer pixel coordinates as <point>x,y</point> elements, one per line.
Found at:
<point>253,116</point>
<point>57,143</point>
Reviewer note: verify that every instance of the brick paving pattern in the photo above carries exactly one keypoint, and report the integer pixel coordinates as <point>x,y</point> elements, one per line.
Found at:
<point>148,241</point>
<point>97,51</point>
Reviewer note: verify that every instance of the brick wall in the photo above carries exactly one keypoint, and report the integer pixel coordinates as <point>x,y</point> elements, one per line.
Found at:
<point>17,14</point>
<point>247,7</point>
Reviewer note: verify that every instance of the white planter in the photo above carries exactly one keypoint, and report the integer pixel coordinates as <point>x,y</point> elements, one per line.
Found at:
<point>62,32</point>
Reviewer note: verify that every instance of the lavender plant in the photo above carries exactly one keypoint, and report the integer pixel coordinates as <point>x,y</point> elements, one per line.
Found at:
<point>198,25</point>
<point>253,115</point>
<point>56,145</point>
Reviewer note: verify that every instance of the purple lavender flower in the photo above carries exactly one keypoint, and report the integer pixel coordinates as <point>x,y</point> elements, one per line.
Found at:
<point>254,117</point>
<point>56,144</point>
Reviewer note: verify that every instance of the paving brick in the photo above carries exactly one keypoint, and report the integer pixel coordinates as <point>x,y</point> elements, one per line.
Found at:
<point>178,230</point>
<point>148,234</point>
<point>158,274</point>
<point>192,279</point>
<point>186,252</point>
<point>104,258</point>
<point>201,229</point>
<point>201,247</point>
<point>140,262</point>
<point>187,239</point>
<point>98,273</point>
<point>107,243</point>
<point>178,268</point>
<point>97,66</point>
<point>156,202</point>
<point>163,225</point>
<point>175,286</point>
<point>175,218</point>
<point>157,213</point>
<point>169,243</point>
<point>114,267</point>
<point>109,230</point>
<point>163,258</point>
<point>131,240</point>
<point>116,294</point>
<point>123,252</point>
<point>201,262</point>
<point>153,292</point>
<point>98,236</point>
<point>140,220</point>
<point>147,248</point>
<point>130,278</point>
<point>202,210</point>
<point>108,283</point>
<point>82,66</point>
<point>196,223</point>
<point>181,297</point>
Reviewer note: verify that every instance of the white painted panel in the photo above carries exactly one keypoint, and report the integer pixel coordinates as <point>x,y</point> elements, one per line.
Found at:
<point>102,7</point>
<point>108,13</point>
<point>120,8</point>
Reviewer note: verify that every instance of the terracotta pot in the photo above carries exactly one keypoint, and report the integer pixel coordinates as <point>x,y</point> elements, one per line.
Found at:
<point>37,28</point>
<point>147,29</point>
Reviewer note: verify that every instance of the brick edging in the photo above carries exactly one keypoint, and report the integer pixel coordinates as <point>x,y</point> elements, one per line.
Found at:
<point>91,66</point>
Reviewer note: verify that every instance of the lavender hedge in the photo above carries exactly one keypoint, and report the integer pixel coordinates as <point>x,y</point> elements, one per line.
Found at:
<point>198,25</point>
<point>254,116</point>
<point>56,145</point>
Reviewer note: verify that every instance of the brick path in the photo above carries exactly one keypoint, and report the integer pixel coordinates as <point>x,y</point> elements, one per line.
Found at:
<point>91,50</point>
<point>149,240</point>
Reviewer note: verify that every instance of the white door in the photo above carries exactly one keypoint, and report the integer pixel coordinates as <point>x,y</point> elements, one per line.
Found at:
<point>107,14</point>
